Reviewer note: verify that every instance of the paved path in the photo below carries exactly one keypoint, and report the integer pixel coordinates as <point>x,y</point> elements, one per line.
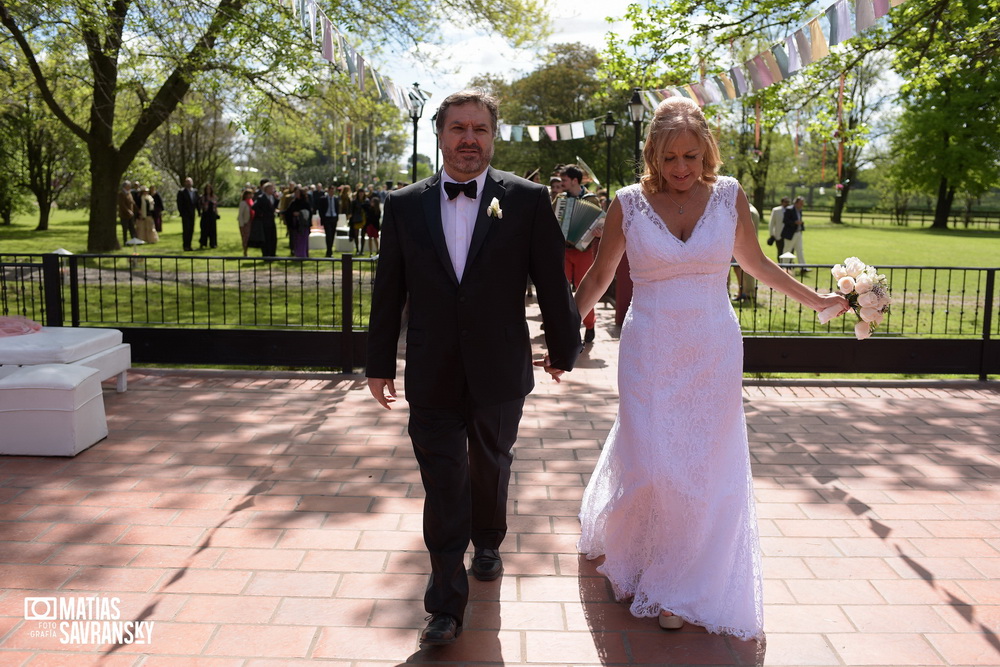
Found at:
<point>262,520</point>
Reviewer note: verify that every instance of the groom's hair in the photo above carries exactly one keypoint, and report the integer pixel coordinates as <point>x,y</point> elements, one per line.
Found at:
<point>474,95</point>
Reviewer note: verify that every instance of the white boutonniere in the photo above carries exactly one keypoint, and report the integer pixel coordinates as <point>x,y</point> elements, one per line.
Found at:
<point>494,210</point>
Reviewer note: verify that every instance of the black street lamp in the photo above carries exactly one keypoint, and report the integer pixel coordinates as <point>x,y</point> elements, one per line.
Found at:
<point>610,125</point>
<point>636,110</point>
<point>437,150</point>
<point>416,110</point>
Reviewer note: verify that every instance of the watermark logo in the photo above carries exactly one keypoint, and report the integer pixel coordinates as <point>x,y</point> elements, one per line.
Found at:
<point>85,620</point>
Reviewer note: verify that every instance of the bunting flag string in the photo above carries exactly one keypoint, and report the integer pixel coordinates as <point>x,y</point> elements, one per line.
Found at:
<point>805,46</point>
<point>335,49</point>
<point>578,129</point>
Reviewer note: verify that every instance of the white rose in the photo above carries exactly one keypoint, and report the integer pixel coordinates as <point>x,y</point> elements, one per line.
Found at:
<point>868,314</point>
<point>868,299</point>
<point>854,266</point>
<point>863,283</point>
<point>862,330</point>
<point>838,272</point>
<point>878,318</point>
<point>846,285</point>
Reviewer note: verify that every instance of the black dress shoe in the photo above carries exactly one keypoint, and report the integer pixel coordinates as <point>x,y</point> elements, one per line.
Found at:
<point>442,629</point>
<point>589,335</point>
<point>486,564</point>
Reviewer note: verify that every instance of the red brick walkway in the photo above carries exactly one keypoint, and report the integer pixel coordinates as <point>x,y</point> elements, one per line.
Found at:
<point>259,520</point>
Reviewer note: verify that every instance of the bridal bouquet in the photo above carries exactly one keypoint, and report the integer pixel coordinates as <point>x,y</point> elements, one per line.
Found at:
<point>867,292</point>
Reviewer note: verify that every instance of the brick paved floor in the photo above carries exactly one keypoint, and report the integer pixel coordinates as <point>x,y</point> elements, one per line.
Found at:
<point>262,520</point>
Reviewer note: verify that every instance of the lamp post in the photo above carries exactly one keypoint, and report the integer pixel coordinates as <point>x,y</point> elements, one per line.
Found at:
<point>636,111</point>
<point>610,125</point>
<point>437,150</point>
<point>416,110</point>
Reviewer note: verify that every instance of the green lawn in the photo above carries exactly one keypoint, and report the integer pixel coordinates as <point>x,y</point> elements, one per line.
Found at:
<point>824,242</point>
<point>68,229</point>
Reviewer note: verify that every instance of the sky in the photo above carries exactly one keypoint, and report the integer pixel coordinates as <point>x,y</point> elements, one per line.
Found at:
<point>468,54</point>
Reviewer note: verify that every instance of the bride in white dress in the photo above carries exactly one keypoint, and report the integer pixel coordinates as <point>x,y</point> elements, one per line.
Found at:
<point>670,504</point>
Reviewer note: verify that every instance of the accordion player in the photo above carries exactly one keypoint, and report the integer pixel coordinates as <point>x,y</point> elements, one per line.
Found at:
<point>580,220</point>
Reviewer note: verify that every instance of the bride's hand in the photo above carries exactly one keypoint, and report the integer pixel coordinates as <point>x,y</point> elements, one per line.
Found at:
<point>556,373</point>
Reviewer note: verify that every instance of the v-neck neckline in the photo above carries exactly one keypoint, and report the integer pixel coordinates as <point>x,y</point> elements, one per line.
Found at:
<point>660,222</point>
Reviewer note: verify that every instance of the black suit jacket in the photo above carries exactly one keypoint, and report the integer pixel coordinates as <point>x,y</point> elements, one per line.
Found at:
<point>186,205</point>
<point>471,335</point>
<point>789,223</point>
<point>322,205</point>
<point>263,209</point>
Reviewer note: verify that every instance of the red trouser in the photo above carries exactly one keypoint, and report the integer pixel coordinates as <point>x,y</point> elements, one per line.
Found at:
<point>577,263</point>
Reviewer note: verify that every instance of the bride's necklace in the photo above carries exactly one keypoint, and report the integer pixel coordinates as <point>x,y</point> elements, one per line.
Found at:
<point>680,207</point>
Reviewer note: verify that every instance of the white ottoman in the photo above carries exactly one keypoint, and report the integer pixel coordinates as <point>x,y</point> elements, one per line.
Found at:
<point>317,239</point>
<point>92,347</point>
<point>50,410</point>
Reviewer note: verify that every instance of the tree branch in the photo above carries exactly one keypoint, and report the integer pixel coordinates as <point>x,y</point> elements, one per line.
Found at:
<point>36,71</point>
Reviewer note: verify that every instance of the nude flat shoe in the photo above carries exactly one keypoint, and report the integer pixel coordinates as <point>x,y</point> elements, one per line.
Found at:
<point>670,621</point>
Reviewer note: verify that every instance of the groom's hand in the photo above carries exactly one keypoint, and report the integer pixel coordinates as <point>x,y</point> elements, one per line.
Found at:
<point>378,387</point>
<point>556,373</point>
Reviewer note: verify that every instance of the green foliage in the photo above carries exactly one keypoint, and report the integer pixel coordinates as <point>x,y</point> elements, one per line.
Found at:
<point>566,87</point>
<point>947,140</point>
<point>113,73</point>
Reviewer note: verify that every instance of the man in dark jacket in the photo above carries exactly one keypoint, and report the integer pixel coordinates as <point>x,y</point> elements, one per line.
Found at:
<point>459,247</point>
<point>187,205</point>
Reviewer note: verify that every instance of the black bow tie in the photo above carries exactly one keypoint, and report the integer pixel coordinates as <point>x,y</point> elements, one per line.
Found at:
<point>455,189</point>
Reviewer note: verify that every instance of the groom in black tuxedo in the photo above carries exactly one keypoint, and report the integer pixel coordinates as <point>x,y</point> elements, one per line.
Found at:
<point>459,248</point>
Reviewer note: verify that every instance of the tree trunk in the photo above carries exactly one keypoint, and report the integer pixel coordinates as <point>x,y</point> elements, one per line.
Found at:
<point>44,210</point>
<point>105,178</point>
<point>839,204</point>
<point>943,207</point>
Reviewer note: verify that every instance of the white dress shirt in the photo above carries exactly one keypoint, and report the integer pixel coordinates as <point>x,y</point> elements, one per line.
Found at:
<point>458,218</point>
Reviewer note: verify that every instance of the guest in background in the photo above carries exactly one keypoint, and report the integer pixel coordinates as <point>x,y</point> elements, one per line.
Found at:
<point>157,209</point>
<point>208,206</point>
<point>187,205</point>
<point>299,216</point>
<point>144,228</point>
<point>373,216</point>
<point>244,216</point>
<point>329,205</point>
<point>264,211</point>
<point>792,230</point>
<point>357,219</point>
<point>126,211</point>
<point>774,226</point>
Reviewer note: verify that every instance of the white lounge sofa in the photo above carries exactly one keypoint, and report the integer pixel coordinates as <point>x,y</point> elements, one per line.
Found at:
<point>101,349</point>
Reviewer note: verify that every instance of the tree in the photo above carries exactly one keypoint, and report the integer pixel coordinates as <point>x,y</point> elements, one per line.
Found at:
<point>142,58</point>
<point>196,142</point>
<point>48,156</point>
<point>565,88</point>
<point>948,138</point>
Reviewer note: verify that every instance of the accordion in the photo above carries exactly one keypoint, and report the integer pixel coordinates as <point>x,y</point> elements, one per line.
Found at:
<point>579,219</point>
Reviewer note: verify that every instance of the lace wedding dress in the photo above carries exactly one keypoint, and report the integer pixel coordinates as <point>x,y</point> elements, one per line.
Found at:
<point>670,504</point>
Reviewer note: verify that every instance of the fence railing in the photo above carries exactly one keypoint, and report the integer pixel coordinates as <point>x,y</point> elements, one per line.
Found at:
<point>915,217</point>
<point>314,313</point>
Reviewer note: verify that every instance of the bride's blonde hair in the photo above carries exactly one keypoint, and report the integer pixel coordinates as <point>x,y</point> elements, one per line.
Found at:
<point>673,117</point>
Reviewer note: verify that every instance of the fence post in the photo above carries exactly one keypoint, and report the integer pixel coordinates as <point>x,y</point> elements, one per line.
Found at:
<point>74,290</point>
<point>347,313</point>
<point>52,288</point>
<point>991,275</point>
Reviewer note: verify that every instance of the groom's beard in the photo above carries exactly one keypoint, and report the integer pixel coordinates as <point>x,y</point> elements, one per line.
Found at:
<point>465,160</point>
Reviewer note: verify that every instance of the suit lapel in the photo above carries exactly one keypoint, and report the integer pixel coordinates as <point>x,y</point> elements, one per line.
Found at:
<point>430,198</point>
<point>493,187</point>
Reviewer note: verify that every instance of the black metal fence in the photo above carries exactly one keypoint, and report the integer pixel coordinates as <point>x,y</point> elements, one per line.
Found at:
<point>314,313</point>
<point>914,217</point>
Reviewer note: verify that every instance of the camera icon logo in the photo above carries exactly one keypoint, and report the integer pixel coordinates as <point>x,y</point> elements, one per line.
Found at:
<point>40,609</point>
